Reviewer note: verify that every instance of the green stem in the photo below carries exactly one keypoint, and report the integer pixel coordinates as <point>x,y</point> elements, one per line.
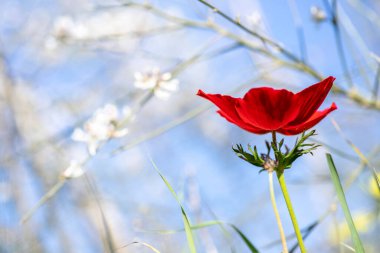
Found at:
<point>276,213</point>
<point>281,180</point>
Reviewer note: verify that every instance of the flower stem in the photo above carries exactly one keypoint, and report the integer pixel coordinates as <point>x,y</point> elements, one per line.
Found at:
<point>281,180</point>
<point>276,213</point>
<point>274,138</point>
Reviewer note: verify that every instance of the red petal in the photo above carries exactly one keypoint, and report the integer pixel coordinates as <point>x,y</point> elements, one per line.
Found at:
<point>312,121</point>
<point>243,125</point>
<point>267,108</point>
<point>310,99</point>
<point>227,110</point>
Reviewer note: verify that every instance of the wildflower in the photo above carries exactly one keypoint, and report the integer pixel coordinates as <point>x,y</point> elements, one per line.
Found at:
<point>162,84</point>
<point>102,126</point>
<point>73,171</point>
<point>318,14</point>
<point>263,110</point>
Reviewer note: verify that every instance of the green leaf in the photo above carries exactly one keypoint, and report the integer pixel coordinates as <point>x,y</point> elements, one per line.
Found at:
<point>253,158</point>
<point>343,202</point>
<point>186,222</point>
<point>300,148</point>
<point>281,143</point>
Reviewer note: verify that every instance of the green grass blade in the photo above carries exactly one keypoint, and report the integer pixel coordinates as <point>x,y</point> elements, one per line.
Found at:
<point>207,224</point>
<point>245,239</point>
<point>147,245</point>
<point>211,223</point>
<point>342,199</point>
<point>186,222</point>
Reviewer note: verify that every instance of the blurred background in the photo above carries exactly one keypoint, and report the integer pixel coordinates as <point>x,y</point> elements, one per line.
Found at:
<point>93,91</point>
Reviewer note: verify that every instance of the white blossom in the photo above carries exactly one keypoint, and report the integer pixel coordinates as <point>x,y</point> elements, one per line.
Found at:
<point>51,43</point>
<point>318,14</point>
<point>254,19</point>
<point>73,171</point>
<point>375,57</point>
<point>162,84</point>
<point>65,27</point>
<point>100,127</point>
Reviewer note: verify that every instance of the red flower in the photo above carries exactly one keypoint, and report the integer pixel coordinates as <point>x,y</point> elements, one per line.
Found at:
<point>265,109</point>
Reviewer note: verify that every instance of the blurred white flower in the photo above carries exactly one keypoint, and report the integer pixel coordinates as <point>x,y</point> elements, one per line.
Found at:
<point>318,14</point>
<point>162,84</point>
<point>65,27</point>
<point>73,171</point>
<point>51,43</point>
<point>254,19</point>
<point>100,29</point>
<point>100,127</point>
<point>375,57</point>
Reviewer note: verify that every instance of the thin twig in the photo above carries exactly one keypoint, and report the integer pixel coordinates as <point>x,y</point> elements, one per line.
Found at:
<point>180,120</point>
<point>300,30</point>
<point>62,180</point>
<point>138,106</point>
<point>52,192</point>
<point>362,157</point>
<point>295,63</point>
<point>108,235</point>
<point>375,91</point>
<point>261,37</point>
<point>338,39</point>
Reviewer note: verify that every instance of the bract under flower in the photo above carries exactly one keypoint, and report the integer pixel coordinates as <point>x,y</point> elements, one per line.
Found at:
<point>265,109</point>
